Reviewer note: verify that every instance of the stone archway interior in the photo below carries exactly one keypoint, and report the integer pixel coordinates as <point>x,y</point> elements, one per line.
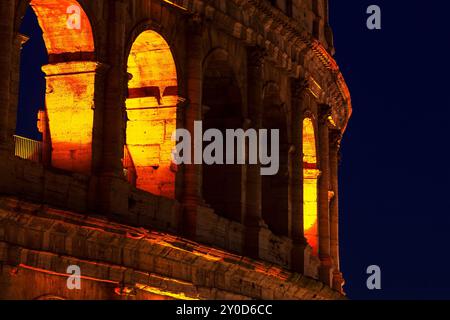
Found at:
<point>152,114</point>
<point>222,110</point>
<point>66,27</point>
<point>275,188</point>
<point>310,176</point>
<point>70,81</point>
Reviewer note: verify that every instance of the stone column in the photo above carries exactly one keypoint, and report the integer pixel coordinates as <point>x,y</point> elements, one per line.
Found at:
<point>18,41</point>
<point>6,34</point>
<point>115,94</point>
<point>335,141</point>
<point>111,181</point>
<point>43,127</point>
<point>326,263</point>
<point>70,113</point>
<point>193,172</point>
<point>253,210</point>
<point>299,242</point>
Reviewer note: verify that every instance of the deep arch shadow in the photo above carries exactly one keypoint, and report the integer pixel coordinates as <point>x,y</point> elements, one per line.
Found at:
<point>222,109</point>
<point>275,210</point>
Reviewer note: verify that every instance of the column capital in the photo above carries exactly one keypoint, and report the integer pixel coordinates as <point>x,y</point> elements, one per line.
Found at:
<point>335,139</point>
<point>20,39</point>
<point>307,113</point>
<point>326,259</point>
<point>256,56</point>
<point>196,23</point>
<point>298,87</point>
<point>324,113</point>
<point>182,102</point>
<point>74,67</point>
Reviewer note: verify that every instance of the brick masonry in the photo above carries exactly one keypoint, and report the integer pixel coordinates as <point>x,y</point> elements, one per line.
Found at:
<point>37,243</point>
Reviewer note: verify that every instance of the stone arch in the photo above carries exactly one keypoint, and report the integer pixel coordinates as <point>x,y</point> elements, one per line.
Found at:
<point>89,18</point>
<point>222,109</point>
<point>151,106</point>
<point>310,179</point>
<point>63,43</point>
<point>68,116</point>
<point>169,34</point>
<point>219,41</point>
<point>275,188</point>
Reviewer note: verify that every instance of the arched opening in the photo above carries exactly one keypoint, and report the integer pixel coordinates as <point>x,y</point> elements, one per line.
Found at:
<point>275,187</point>
<point>28,137</point>
<point>61,44</point>
<point>222,110</point>
<point>152,115</point>
<point>310,176</point>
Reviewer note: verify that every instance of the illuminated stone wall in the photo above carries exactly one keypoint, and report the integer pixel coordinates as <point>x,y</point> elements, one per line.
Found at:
<point>133,266</point>
<point>310,176</point>
<point>152,113</point>
<point>116,89</point>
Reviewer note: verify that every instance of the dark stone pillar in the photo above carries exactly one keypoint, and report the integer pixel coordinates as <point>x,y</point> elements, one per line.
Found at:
<point>193,172</point>
<point>6,47</point>
<point>335,141</point>
<point>325,268</point>
<point>111,177</point>
<point>253,211</point>
<point>298,89</point>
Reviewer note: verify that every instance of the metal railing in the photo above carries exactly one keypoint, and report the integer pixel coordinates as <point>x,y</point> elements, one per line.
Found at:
<point>31,150</point>
<point>28,149</point>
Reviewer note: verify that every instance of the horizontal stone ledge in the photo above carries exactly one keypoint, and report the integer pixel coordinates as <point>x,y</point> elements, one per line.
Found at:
<point>46,238</point>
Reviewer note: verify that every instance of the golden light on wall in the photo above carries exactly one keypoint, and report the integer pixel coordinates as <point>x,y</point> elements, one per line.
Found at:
<point>59,38</point>
<point>69,103</point>
<point>152,112</point>
<point>69,84</point>
<point>310,176</point>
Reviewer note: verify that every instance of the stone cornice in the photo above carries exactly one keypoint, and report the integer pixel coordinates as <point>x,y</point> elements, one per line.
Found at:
<point>327,61</point>
<point>295,51</point>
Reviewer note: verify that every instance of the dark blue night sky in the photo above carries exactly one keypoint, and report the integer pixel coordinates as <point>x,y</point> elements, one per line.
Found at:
<point>395,172</point>
<point>394,179</point>
<point>32,79</point>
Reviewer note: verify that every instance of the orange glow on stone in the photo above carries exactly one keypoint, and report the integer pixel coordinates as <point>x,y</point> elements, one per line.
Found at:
<point>164,293</point>
<point>310,175</point>
<point>309,143</point>
<point>70,83</point>
<point>69,103</point>
<point>152,113</point>
<point>52,16</point>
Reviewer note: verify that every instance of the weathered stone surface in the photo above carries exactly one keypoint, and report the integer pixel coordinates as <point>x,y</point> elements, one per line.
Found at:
<point>106,196</point>
<point>108,252</point>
